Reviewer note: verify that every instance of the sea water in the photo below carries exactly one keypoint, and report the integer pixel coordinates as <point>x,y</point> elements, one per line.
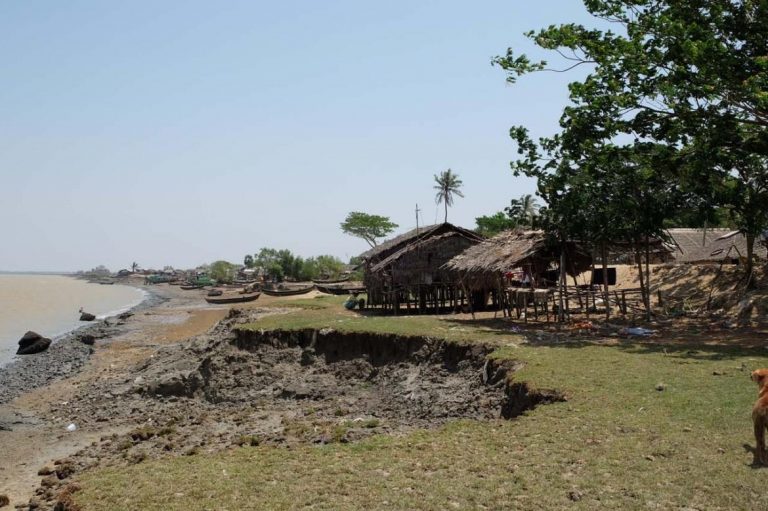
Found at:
<point>49,304</point>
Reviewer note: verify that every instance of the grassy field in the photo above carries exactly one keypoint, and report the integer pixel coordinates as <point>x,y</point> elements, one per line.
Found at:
<point>617,443</point>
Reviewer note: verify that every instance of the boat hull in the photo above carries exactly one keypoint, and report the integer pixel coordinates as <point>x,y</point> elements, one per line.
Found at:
<point>337,290</point>
<point>287,292</point>
<point>222,300</point>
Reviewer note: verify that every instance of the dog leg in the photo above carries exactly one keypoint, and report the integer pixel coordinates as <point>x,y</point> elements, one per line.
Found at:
<point>759,440</point>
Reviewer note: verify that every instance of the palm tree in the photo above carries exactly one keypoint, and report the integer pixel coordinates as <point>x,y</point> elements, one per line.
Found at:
<point>447,185</point>
<point>528,208</point>
<point>134,266</point>
<point>523,210</point>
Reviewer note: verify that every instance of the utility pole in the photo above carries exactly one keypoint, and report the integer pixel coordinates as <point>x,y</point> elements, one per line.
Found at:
<point>417,219</point>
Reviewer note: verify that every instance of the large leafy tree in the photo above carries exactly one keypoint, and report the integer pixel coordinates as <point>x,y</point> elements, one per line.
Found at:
<point>688,74</point>
<point>447,184</point>
<point>368,227</point>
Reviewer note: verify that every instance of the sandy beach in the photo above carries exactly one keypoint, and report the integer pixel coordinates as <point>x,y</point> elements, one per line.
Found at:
<point>35,394</point>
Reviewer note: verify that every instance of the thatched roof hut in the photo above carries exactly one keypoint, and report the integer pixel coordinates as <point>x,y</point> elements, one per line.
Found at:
<point>484,264</point>
<point>408,267</point>
<point>712,245</point>
<point>390,246</point>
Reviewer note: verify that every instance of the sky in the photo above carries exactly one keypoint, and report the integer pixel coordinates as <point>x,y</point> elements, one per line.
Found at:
<point>182,132</point>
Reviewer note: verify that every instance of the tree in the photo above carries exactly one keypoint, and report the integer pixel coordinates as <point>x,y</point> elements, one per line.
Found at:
<point>100,271</point>
<point>134,267</point>
<point>447,185</point>
<point>274,271</point>
<point>329,266</point>
<point>494,224</point>
<point>688,74</point>
<point>265,257</point>
<point>222,271</point>
<point>248,261</point>
<point>367,227</point>
<point>523,211</point>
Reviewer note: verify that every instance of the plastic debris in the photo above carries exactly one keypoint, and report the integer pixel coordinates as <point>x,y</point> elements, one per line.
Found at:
<point>637,331</point>
<point>72,427</point>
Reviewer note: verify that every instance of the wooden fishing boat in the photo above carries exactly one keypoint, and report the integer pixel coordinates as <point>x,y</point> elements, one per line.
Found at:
<point>287,292</point>
<point>331,281</point>
<point>189,287</point>
<point>225,299</point>
<point>340,290</point>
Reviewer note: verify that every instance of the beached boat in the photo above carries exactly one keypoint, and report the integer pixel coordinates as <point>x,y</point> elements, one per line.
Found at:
<point>225,299</point>
<point>331,281</point>
<point>215,292</point>
<point>287,292</point>
<point>339,290</point>
<point>106,282</point>
<point>189,287</point>
<point>157,279</point>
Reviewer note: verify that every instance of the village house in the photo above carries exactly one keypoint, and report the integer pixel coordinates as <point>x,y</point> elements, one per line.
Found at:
<point>407,271</point>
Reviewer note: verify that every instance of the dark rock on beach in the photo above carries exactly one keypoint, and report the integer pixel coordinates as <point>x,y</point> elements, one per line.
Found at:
<point>32,343</point>
<point>29,338</point>
<point>63,358</point>
<point>88,339</point>
<point>87,316</point>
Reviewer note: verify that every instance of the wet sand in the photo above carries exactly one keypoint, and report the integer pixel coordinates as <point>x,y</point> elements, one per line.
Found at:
<point>33,421</point>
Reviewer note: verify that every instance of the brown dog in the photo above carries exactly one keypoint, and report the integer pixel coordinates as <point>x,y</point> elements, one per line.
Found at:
<point>760,415</point>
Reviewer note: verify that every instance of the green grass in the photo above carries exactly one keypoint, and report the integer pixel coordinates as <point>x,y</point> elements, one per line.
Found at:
<point>617,443</point>
<point>328,312</point>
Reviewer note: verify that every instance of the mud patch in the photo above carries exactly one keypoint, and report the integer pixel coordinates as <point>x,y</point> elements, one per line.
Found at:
<point>236,387</point>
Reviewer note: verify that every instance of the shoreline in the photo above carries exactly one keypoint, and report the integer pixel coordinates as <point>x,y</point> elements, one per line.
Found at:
<point>41,395</point>
<point>67,355</point>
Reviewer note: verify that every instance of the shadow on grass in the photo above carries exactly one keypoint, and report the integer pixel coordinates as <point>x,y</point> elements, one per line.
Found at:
<point>754,465</point>
<point>683,341</point>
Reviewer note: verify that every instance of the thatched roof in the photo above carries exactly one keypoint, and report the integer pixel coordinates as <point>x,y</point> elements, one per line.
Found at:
<point>388,247</point>
<point>513,249</point>
<point>717,245</point>
<point>421,244</point>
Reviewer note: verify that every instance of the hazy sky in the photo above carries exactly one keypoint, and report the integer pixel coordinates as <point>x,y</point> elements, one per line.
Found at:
<point>180,132</point>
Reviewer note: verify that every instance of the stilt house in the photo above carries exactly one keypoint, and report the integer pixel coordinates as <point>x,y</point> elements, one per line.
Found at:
<point>407,272</point>
<point>482,270</point>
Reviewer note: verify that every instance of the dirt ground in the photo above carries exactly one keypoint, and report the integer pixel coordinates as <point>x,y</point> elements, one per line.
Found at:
<point>38,419</point>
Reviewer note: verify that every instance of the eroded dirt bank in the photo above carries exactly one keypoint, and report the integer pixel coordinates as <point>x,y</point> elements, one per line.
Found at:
<point>231,387</point>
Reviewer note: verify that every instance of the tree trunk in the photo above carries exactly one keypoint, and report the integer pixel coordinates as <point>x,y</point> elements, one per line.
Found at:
<point>749,267</point>
<point>561,312</point>
<point>648,306</point>
<point>446,211</point>
<point>604,255</point>
<point>643,290</point>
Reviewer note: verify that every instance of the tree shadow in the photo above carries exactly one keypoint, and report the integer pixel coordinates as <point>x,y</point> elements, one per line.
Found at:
<point>683,339</point>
